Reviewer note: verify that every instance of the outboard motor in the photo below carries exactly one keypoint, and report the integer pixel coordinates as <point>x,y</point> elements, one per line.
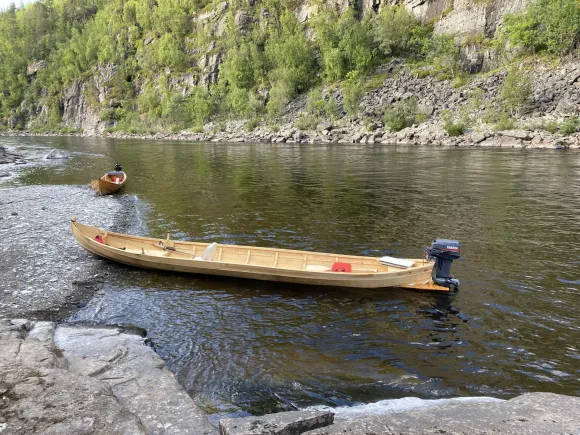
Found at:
<point>444,251</point>
<point>118,168</point>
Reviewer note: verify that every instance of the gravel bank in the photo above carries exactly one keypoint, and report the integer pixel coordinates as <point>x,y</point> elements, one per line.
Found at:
<point>45,274</point>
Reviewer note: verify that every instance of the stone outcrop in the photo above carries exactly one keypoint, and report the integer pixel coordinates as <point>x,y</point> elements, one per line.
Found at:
<point>57,155</point>
<point>78,113</point>
<point>80,380</point>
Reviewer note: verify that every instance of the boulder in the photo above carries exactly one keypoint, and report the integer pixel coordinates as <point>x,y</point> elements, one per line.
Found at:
<point>517,134</point>
<point>567,107</point>
<point>57,155</point>
<point>324,126</point>
<point>479,137</point>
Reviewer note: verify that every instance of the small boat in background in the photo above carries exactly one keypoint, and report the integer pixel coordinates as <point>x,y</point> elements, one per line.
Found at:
<point>111,182</point>
<point>267,264</point>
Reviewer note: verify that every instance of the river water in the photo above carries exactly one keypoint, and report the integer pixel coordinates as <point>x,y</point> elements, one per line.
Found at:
<point>242,347</point>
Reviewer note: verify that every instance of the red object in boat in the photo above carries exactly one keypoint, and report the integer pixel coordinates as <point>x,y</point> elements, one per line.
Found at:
<point>342,267</point>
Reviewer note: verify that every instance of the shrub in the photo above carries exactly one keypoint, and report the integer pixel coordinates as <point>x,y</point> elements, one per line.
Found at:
<point>398,32</point>
<point>515,91</point>
<point>453,127</point>
<point>346,43</point>
<point>252,124</point>
<point>292,55</point>
<point>551,25</point>
<point>353,92</point>
<point>504,122</point>
<point>199,106</point>
<point>570,126</point>
<point>401,115</point>
<point>331,107</point>
<point>315,104</point>
<point>306,122</point>
<point>280,95</point>
<point>442,54</point>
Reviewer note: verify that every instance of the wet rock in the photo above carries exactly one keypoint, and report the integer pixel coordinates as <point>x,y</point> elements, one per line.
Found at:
<point>7,156</point>
<point>13,214</point>
<point>283,423</point>
<point>136,375</point>
<point>57,155</point>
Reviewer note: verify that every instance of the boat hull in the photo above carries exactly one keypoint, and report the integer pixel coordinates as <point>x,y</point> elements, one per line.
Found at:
<point>416,277</point>
<point>105,187</point>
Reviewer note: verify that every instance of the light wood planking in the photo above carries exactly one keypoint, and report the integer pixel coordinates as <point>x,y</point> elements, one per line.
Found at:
<point>270,264</point>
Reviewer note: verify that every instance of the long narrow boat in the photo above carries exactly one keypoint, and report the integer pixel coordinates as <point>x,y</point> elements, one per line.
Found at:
<point>250,262</point>
<point>109,183</point>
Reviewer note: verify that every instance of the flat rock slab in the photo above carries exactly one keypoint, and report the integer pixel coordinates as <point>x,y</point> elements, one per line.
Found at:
<point>532,414</point>
<point>137,376</point>
<point>283,423</point>
<point>81,380</point>
<point>43,269</point>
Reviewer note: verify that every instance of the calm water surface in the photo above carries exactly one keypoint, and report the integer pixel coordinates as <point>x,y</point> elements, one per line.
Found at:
<point>241,346</point>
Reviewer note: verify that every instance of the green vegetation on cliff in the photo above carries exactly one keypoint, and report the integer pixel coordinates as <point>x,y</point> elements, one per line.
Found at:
<point>172,64</point>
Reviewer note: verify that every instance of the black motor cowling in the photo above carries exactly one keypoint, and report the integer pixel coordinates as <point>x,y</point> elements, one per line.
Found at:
<point>444,251</point>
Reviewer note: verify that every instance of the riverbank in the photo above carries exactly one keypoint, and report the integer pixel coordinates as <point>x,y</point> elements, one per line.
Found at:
<point>441,113</point>
<point>328,134</point>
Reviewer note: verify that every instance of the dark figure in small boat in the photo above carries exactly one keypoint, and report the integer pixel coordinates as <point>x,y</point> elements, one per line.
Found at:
<point>117,176</point>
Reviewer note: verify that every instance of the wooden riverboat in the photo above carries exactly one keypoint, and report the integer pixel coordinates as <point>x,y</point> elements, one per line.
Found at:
<point>109,183</point>
<point>267,264</point>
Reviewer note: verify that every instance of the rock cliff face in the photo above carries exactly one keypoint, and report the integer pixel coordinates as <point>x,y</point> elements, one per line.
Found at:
<point>461,18</point>
<point>457,17</point>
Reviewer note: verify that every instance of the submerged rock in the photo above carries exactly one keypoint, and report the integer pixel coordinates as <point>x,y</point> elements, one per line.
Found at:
<point>57,155</point>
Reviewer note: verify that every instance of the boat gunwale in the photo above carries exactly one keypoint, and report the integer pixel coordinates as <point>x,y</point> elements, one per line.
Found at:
<point>201,263</point>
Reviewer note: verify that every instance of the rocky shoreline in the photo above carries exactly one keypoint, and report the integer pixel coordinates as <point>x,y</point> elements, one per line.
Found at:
<point>328,134</point>
<point>552,101</point>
